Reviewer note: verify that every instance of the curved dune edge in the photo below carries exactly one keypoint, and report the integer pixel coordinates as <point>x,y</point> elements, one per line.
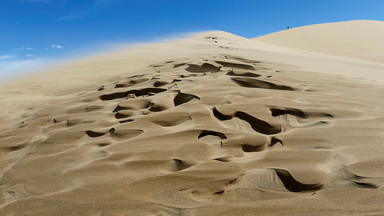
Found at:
<point>215,133</point>
<point>359,39</point>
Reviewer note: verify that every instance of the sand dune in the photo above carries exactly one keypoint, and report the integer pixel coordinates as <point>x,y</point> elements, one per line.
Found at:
<point>211,125</point>
<point>360,39</point>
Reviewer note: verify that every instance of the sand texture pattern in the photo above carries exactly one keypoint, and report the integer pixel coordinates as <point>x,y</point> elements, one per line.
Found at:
<point>224,130</point>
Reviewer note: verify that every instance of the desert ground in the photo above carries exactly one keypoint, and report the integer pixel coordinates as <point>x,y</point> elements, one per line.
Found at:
<point>290,123</point>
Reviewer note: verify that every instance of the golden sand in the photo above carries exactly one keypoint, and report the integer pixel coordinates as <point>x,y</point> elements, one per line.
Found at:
<point>216,124</point>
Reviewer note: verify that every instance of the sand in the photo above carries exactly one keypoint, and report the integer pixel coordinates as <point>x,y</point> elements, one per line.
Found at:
<point>215,124</point>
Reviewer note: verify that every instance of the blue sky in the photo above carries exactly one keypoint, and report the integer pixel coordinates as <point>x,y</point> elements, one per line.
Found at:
<point>33,32</point>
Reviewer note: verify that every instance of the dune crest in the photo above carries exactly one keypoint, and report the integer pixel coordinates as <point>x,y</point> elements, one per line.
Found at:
<point>224,129</point>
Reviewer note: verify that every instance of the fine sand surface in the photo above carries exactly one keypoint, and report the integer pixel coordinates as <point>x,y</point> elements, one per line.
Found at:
<point>215,124</point>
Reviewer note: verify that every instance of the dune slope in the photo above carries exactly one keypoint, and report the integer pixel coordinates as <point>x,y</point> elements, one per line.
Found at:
<point>361,39</point>
<point>213,125</point>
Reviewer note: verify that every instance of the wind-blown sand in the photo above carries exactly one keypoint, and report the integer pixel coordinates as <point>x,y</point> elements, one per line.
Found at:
<point>216,124</point>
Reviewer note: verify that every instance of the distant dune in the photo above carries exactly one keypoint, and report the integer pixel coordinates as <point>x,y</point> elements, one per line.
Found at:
<point>286,124</point>
<point>361,39</point>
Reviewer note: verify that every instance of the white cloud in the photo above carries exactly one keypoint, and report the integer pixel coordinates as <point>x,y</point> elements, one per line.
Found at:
<point>16,67</point>
<point>8,64</point>
<point>25,48</point>
<point>57,46</point>
<point>4,57</point>
<point>73,16</point>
